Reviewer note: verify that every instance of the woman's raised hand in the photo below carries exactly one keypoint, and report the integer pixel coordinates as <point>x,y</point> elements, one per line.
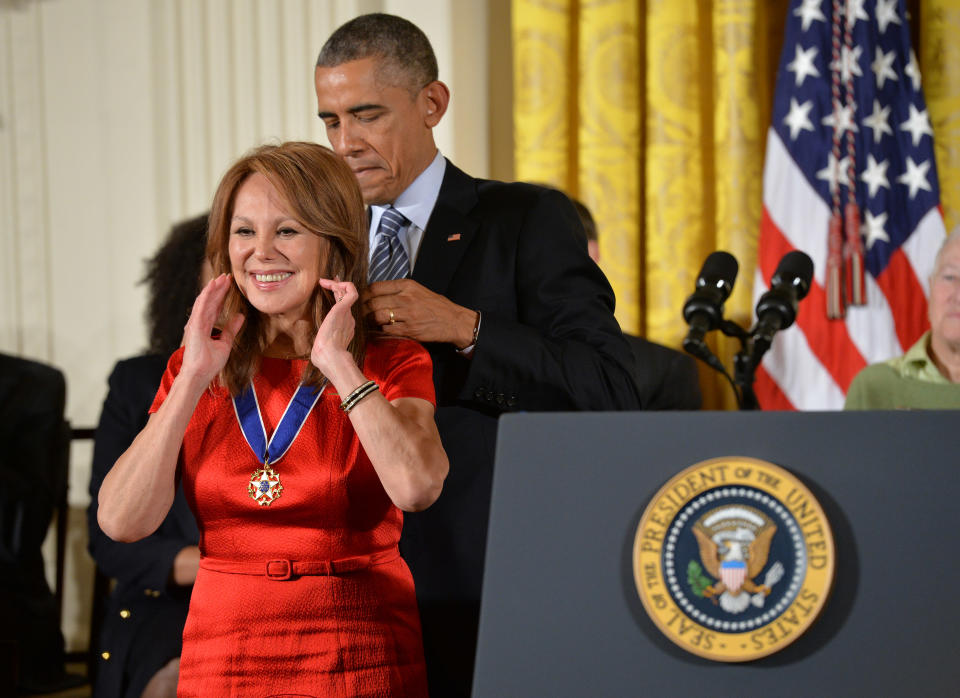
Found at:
<point>205,356</point>
<point>337,327</point>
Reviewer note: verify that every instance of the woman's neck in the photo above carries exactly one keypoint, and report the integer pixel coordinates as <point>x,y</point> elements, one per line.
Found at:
<point>286,339</point>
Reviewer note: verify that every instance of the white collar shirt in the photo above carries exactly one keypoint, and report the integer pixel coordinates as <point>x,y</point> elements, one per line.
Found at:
<point>416,204</point>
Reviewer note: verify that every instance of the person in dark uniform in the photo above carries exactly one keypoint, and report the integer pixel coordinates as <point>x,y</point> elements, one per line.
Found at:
<point>33,469</point>
<point>139,646</point>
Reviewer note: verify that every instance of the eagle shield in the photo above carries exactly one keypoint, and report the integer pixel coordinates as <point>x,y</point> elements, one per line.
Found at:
<point>734,543</point>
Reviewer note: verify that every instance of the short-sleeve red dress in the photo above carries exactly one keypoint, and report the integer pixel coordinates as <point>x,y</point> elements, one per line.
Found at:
<point>251,631</point>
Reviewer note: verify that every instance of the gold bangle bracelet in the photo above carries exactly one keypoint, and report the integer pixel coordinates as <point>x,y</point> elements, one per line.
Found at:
<point>357,395</point>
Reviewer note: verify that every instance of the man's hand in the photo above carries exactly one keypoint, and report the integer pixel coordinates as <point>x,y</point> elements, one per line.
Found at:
<point>186,565</point>
<point>404,308</point>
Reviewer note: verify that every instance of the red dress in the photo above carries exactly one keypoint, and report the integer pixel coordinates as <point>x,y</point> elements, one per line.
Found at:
<point>355,633</point>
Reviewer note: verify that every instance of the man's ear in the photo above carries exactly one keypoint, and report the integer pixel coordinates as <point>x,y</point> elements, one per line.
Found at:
<point>434,100</point>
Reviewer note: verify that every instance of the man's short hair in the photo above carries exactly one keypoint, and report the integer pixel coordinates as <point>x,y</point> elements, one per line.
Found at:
<point>400,44</point>
<point>589,225</point>
<point>952,237</point>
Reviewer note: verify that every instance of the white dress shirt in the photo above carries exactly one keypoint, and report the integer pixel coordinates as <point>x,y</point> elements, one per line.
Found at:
<point>416,204</point>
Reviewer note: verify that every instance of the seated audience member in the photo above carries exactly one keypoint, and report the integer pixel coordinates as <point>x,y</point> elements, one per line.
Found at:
<point>141,638</point>
<point>928,375</point>
<point>33,469</point>
<point>667,378</point>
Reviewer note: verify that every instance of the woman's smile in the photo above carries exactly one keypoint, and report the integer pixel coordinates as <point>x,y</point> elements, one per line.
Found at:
<point>268,280</point>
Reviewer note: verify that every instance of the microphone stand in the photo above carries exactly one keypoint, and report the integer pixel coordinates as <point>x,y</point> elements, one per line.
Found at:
<point>745,364</point>
<point>753,345</point>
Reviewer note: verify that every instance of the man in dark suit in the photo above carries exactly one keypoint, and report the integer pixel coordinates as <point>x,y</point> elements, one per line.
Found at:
<point>494,280</point>
<point>33,469</point>
<point>666,378</point>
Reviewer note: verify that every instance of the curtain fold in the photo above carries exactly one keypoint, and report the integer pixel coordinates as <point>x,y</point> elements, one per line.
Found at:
<point>544,83</point>
<point>608,152</point>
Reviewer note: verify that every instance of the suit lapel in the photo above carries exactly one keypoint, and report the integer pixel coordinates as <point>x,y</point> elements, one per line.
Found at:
<point>449,231</point>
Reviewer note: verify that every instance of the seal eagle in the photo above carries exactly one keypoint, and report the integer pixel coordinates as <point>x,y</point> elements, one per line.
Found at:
<point>734,545</point>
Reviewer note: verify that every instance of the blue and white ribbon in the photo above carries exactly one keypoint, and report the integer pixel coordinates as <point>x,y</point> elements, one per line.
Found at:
<point>247,409</point>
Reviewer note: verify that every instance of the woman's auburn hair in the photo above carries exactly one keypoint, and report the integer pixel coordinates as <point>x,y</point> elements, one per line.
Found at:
<point>323,196</point>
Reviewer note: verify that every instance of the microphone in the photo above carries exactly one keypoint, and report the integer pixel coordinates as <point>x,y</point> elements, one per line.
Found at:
<point>777,308</point>
<point>703,310</point>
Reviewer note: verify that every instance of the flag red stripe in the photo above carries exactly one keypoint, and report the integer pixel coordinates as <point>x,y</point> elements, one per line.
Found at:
<point>767,256</point>
<point>772,246</point>
<point>829,340</point>
<point>768,392</point>
<point>905,296</point>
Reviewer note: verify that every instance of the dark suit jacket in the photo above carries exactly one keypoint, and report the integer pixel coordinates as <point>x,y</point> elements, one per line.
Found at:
<point>667,378</point>
<point>33,469</point>
<point>548,341</point>
<point>151,633</point>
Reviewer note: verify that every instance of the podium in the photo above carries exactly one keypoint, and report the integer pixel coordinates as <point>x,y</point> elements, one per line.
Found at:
<point>561,615</point>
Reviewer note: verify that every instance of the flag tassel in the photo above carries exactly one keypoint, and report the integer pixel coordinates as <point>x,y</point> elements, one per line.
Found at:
<point>835,304</point>
<point>853,271</point>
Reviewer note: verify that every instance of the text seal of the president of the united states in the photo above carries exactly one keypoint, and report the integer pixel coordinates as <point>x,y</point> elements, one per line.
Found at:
<point>733,559</point>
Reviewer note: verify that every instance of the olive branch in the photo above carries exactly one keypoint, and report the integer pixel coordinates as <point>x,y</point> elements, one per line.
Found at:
<point>697,580</point>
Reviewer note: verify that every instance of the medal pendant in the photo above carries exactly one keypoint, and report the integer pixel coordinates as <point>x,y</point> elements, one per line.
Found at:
<point>264,486</point>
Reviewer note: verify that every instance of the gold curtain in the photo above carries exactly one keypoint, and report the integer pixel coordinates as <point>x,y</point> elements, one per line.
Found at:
<point>654,113</point>
<point>939,56</point>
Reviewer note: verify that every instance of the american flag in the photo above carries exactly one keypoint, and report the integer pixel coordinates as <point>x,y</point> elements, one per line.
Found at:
<point>830,47</point>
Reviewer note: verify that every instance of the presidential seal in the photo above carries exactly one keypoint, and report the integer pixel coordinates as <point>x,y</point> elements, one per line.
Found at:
<point>733,559</point>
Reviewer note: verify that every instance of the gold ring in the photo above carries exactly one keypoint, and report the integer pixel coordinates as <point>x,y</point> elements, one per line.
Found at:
<point>392,320</point>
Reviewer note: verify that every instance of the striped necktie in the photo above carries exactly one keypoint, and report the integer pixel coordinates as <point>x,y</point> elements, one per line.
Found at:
<point>390,260</point>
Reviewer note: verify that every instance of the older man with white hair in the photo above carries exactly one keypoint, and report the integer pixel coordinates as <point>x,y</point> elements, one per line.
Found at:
<point>928,375</point>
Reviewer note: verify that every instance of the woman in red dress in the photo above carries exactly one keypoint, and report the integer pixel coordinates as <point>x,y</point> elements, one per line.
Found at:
<point>298,441</point>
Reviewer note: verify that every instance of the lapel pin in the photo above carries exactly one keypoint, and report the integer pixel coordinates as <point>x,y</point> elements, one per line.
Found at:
<point>453,238</point>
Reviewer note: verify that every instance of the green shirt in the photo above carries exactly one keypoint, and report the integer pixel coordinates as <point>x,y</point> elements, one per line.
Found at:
<point>911,381</point>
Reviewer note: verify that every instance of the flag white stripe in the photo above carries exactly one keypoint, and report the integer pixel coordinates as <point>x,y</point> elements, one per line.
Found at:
<point>872,327</point>
<point>794,206</point>
<point>797,370</point>
<point>921,247</point>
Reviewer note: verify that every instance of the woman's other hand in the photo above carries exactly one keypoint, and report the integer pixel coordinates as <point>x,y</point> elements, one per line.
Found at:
<point>205,356</point>
<point>136,494</point>
<point>336,330</point>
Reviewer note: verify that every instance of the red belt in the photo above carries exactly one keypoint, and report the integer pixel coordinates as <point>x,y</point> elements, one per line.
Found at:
<point>280,570</point>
